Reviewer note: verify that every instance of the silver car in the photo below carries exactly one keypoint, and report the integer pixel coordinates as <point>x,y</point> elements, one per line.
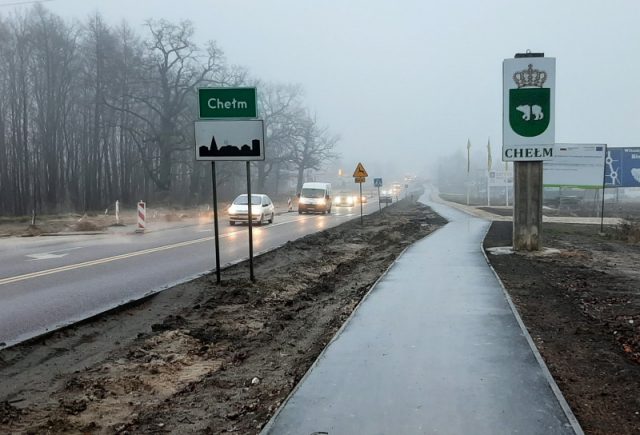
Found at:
<point>262,209</point>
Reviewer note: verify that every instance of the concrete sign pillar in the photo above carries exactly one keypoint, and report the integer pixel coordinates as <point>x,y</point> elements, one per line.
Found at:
<point>527,210</point>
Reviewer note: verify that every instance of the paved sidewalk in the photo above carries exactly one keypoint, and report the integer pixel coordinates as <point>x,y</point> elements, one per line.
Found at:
<point>434,349</point>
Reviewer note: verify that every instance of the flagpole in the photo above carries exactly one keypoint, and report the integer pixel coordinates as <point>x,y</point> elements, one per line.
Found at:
<point>468,167</point>
<point>488,172</point>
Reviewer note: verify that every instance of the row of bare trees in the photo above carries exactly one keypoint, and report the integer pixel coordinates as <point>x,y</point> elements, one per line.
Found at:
<point>91,113</point>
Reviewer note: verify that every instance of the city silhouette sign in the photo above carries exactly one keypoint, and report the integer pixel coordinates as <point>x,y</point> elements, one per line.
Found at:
<point>240,140</point>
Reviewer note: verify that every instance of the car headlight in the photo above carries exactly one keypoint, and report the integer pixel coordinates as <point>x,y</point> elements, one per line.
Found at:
<point>338,199</point>
<point>350,200</point>
<point>322,201</point>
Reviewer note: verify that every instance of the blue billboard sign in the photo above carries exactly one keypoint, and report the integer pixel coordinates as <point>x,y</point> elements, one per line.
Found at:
<point>622,167</point>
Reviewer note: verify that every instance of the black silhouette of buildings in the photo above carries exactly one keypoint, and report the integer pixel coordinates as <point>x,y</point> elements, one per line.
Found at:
<point>231,150</point>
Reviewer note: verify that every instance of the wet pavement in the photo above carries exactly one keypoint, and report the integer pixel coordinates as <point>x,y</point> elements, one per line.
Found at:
<point>434,349</point>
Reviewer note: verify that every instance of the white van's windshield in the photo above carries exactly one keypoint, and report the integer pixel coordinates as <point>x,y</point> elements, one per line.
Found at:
<point>313,193</point>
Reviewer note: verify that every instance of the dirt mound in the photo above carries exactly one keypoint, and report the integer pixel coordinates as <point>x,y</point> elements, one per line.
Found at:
<point>8,413</point>
<point>86,226</point>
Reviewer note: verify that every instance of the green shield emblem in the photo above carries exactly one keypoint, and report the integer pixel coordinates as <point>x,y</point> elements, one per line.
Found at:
<point>529,110</point>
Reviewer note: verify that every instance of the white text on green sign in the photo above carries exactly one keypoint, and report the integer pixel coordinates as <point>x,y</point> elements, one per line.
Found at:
<point>227,103</point>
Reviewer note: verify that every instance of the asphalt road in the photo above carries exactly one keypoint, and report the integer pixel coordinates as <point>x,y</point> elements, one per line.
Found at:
<point>50,282</point>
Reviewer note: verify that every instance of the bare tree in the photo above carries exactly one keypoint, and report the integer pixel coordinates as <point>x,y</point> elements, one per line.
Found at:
<point>90,113</point>
<point>313,148</point>
<point>280,106</point>
<point>173,69</point>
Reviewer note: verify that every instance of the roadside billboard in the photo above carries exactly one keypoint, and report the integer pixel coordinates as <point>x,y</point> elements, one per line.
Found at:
<point>622,167</point>
<point>575,165</point>
<point>500,179</point>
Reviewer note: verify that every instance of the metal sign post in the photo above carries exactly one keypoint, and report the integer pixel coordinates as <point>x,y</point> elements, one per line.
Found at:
<point>215,220</point>
<point>360,175</point>
<point>361,219</point>
<point>604,185</point>
<point>251,276</point>
<point>378,183</point>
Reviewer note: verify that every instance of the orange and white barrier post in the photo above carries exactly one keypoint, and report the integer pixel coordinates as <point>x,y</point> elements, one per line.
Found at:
<point>142,212</point>
<point>289,204</point>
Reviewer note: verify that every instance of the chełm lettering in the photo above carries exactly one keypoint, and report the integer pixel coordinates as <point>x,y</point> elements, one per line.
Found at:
<point>216,103</point>
<point>528,153</point>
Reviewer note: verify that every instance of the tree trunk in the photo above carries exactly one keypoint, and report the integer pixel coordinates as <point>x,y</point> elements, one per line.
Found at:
<point>301,169</point>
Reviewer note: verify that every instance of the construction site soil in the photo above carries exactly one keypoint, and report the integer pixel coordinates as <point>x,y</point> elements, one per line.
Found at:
<point>217,358</point>
<point>204,357</point>
<point>581,305</point>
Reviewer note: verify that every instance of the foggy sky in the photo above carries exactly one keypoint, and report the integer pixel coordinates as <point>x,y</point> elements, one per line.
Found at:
<point>408,81</point>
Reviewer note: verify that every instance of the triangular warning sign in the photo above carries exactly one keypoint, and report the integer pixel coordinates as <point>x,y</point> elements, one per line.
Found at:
<point>360,171</point>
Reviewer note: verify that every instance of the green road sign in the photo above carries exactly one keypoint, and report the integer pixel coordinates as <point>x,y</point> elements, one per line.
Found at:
<point>529,110</point>
<point>227,103</point>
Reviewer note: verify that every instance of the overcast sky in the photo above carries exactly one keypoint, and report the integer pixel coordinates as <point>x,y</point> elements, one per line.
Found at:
<point>409,80</point>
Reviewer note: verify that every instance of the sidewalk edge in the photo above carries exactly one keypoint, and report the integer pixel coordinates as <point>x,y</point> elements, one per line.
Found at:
<point>267,427</point>
<point>575,424</point>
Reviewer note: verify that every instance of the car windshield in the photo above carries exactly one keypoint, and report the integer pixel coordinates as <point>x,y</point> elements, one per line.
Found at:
<point>313,193</point>
<point>242,200</point>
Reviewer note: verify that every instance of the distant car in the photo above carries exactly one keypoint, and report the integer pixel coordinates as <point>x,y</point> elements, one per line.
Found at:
<point>386,197</point>
<point>262,209</point>
<point>344,199</point>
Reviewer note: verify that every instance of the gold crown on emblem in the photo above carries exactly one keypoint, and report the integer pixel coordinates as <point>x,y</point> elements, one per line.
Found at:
<point>530,77</point>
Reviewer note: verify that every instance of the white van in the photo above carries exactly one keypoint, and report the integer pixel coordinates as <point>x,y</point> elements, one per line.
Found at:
<point>315,197</point>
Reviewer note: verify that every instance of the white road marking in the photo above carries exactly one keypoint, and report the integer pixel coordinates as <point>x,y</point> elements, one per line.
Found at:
<point>51,254</point>
<point>18,278</point>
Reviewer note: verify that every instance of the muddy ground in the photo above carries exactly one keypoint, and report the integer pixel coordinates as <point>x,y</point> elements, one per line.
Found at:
<point>202,357</point>
<point>91,223</point>
<point>581,305</point>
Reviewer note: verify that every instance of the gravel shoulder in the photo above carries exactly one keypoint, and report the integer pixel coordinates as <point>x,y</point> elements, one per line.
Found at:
<point>581,305</point>
<point>202,357</point>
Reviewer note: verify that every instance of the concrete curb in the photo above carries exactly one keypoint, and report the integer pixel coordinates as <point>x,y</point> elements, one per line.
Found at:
<point>75,233</point>
<point>267,428</point>
<point>575,425</point>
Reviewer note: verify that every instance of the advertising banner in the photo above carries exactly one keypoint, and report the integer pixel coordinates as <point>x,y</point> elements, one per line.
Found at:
<point>575,165</point>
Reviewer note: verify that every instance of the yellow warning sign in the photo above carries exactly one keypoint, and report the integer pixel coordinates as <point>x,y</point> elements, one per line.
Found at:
<point>360,171</point>
<point>360,179</point>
